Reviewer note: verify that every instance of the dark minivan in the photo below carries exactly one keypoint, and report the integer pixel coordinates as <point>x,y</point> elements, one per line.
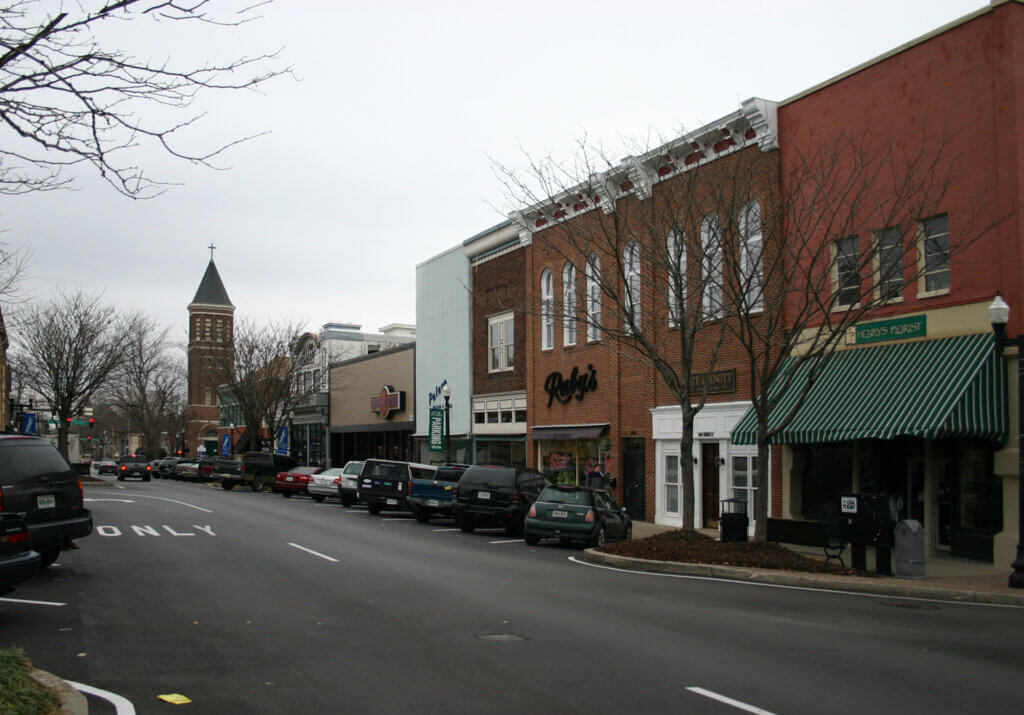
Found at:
<point>488,496</point>
<point>39,485</point>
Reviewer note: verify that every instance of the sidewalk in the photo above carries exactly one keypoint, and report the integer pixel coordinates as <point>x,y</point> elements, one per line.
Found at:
<point>948,578</point>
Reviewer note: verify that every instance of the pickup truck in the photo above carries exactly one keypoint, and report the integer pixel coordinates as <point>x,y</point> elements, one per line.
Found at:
<point>384,483</point>
<point>434,495</point>
<point>229,472</point>
<point>134,466</point>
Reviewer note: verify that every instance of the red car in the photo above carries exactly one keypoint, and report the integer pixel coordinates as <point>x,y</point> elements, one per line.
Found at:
<point>295,481</point>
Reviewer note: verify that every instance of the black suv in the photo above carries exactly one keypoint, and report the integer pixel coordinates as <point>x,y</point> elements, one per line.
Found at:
<point>260,468</point>
<point>134,465</point>
<point>39,485</point>
<point>489,496</point>
<point>18,562</point>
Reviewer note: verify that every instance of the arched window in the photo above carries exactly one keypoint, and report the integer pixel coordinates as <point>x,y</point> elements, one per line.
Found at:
<point>711,266</point>
<point>569,304</point>
<point>547,311</point>
<point>593,297</point>
<point>631,271</point>
<point>751,238</point>
<point>676,276</point>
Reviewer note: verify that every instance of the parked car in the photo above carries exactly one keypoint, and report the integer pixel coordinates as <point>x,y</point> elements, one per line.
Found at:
<point>106,466</point>
<point>18,562</point>
<point>325,484</point>
<point>348,486</point>
<point>295,480</point>
<point>186,470</point>
<point>259,469</point>
<point>434,495</point>
<point>135,466</point>
<point>165,468</point>
<point>576,514</point>
<point>204,470</point>
<point>384,483</point>
<point>228,471</point>
<point>489,496</point>
<point>39,485</point>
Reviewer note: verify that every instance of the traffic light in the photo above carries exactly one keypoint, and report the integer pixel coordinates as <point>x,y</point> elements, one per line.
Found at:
<point>68,420</point>
<point>91,422</point>
<point>89,438</point>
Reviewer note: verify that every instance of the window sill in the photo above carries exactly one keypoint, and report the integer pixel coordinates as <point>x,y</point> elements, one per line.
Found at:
<point>844,308</point>
<point>501,370</point>
<point>933,293</point>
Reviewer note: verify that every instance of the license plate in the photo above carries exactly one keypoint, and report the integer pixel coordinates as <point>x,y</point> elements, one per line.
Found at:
<point>555,514</point>
<point>392,502</point>
<point>432,502</point>
<point>289,479</point>
<point>483,495</point>
<point>47,501</point>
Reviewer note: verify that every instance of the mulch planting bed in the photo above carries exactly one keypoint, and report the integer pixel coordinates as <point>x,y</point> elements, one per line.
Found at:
<point>692,547</point>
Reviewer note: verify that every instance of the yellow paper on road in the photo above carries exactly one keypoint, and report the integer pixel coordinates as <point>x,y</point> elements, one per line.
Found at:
<point>174,699</point>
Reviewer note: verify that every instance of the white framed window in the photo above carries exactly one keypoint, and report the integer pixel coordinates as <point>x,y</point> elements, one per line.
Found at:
<point>547,310</point>
<point>500,342</point>
<point>934,251</point>
<point>751,264</point>
<point>676,277</point>
<point>631,271</point>
<point>744,480</point>
<point>569,304</point>
<point>711,268</point>
<point>889,264</point>
<point>593,297</point>
<point>673,495</point>
<point>846,271</point>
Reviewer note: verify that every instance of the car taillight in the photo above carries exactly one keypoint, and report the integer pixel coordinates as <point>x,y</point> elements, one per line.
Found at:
<point>1,500</point>
<point>409,488</point>
<point>455,491</point>
<point>337,480</point>
<point>590,516</point>
<point>515,496</point>
<point>124,468</point>
<point>533,510</point>
<point>149,469</point>
<point>18,538</point>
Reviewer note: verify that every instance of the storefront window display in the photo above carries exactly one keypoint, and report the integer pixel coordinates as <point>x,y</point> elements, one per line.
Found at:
<point>505,453</point>
<point>569,461</point>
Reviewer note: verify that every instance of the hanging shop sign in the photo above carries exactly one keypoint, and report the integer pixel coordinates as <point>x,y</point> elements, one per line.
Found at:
<point>387,402</point>
<point>915,326</point>
<point>719,382</point>
<point>577,385</point>
<point>436,432</point>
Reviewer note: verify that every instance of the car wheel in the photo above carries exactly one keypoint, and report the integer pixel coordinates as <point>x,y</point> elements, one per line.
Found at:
<point>286,495</point>
<point>346,501</point>
<point>257,484</point>
<point>628,536</point>
<point>530,539</point>
<point>47,557</point>
<point>318,497</point>
<point>422,515</point>
<point>145,479</point>
<point>467,524</point>
<point>227,485</point>
<point>599,538</point>
<point>120,479</point>
<point>374,508</point>
<point>564,542</point>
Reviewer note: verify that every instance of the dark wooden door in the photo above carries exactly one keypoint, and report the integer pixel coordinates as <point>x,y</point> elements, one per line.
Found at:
<point>633,467</point>
<point>709,480</point>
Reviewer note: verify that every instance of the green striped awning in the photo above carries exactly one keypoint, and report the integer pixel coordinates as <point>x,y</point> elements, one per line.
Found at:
<point>949,387</point>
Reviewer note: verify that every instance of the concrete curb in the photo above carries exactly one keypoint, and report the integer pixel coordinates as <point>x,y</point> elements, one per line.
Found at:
<point>856,584</point>
<point>72,702</point>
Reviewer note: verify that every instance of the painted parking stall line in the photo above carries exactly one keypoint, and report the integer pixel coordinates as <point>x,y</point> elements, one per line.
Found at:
<point>315,553</point>
<point>729,701</point>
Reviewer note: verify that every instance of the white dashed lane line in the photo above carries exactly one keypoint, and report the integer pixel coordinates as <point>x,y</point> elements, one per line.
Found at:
<point>32,603</point>
<point>729,701</point>
<point>507,541</point>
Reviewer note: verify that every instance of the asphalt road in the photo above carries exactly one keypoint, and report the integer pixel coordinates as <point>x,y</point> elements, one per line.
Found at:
<point>249,603</point>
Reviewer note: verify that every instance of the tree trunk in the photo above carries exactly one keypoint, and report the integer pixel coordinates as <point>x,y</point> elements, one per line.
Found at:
<point>686,467</point>
<point>62,438</point>
<point>763,486</point>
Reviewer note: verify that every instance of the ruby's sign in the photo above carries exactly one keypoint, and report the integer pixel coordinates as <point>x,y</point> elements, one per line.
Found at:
<point>576,385</point>
<point>387,402</point>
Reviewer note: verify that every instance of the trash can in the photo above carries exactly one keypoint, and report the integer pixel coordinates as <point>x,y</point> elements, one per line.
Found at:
<point>733,520</point>
<point>910,561</point>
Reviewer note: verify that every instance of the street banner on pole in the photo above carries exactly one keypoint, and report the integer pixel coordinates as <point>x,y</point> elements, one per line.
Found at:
<point>28,423</point>
<point>282,440</point>
<point>225,445</point>
<point>436,443</point>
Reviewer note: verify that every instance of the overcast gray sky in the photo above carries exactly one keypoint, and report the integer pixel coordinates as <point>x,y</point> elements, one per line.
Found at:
<point>377,157</point>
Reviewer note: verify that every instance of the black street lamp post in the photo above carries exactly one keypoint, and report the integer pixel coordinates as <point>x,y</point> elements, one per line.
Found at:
<point>446,392</point>
<point>999,316</point>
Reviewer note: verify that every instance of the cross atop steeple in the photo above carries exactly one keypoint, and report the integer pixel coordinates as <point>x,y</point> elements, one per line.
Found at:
<point>211,247</point>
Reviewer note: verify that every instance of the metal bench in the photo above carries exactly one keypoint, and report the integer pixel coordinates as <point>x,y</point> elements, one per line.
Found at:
<point>829,534</point>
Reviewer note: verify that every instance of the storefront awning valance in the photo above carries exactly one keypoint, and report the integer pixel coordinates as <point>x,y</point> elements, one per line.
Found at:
<point>569,432</point>
<point>948,387</point>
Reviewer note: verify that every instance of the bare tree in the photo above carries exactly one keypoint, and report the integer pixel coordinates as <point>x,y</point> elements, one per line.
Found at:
<point>65,351</point>
<point>68,97</point>
<point>148,385</point>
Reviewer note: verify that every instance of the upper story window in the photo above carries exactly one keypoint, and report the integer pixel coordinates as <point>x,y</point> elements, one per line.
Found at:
<point>593,297</point>
<point>631,271</point>
<point>676,276</point>
<point>711,268</point>
<point>846,275</point>
<point>569,304</point>
<point>934,252</point>
<point>889,262</point>
<point>752,242</point>
<point>547,311</point>
<point>500,342</point>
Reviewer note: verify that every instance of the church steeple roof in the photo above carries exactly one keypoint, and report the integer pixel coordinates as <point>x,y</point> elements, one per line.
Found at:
<point>211,289</point>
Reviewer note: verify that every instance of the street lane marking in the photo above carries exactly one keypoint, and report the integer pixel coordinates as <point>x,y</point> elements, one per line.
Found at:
<point>455,529</point>
<point>729,701</point>
<point>505,541</point>
<point>147,496</point>
<point>124,501</point>
<point>398,518</point>
<point>148,530</point>
<point>122,705</point>
<point>32,603</point>
<point>863,594</point>
<point>315,553</point>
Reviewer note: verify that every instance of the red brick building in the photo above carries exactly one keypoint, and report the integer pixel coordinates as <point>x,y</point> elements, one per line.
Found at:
<point>210,335</point>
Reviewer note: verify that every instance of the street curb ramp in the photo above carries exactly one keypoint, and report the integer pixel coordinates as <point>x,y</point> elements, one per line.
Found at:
<point>775,577</point>
<point>72,702</point>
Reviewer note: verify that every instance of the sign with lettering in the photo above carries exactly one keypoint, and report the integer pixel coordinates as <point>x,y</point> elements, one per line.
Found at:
<point>915,326</point>
<point>576,385</point>
<point>848,505</point>
<point>436,433</point>
<point>387,402</point>
<point>719,382</point>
